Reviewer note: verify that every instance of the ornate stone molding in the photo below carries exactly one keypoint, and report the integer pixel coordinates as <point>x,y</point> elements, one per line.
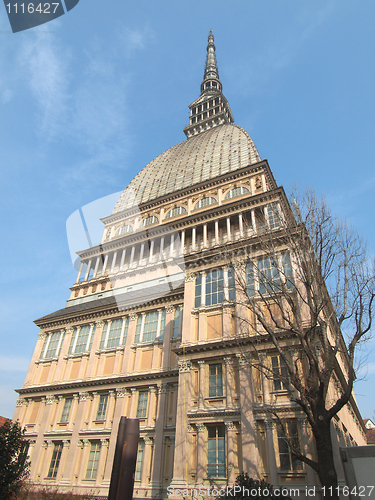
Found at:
<point>241,359</point>
<point>201,363</point>
<point>99,323</point>
<point>200,427</point>
<point>162,388</point>
<point>121,392</point>
<point>230,426</point>
<point>66,443</point>
<point>269,424</point>
<point>50,399</point>
<point>148,440</point>
<point>189,277</point>
<point>184,366</point>
<point>228,360</point>
<point>104,442</point>
<point>133,317</point>
<point>170,309</point>
<point>21,402</point>
<point>42,335</point>
<point>83,396</point>
<point>190,428</point>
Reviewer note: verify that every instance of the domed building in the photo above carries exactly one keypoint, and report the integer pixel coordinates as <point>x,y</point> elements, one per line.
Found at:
<point>152,329</point>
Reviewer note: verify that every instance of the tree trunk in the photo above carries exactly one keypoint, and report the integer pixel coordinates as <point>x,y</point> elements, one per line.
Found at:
<point>327,472</point>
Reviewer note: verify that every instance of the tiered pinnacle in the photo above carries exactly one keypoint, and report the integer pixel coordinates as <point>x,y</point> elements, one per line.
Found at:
<point>211,108</point>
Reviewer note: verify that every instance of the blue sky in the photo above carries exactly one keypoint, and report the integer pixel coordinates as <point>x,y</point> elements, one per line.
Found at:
<point>89,99</point>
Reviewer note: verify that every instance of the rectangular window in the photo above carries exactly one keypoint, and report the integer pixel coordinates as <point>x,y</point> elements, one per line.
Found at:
<point>288,462</point>
<point>150,326</point>
<point>102,407</point>
<point>52,345</point>
<point>142,404</point>
<point>138,468</point>
<point>269,279</point>
<point>273,216</point>
<point>114,334</point>
<point>214,287</point>
<point>198,290</point>
<point>55,461</point>
<point>287,268</point>
<point>280,374</point>
<point>231,284</point>
<point>66,410</point>
<point>216,380</point>
<point>92,465</point>
<point>250,288</point>
<point>216,465</point>
<point>82,339</point>
<point>177,323</point>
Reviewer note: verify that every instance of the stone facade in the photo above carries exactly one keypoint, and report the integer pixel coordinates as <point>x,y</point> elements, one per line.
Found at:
<point>169,357</point>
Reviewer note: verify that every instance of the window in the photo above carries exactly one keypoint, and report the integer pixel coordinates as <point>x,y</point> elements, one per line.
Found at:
<point>127,228</point>
<point>273,216</point>
<point>66,410</point>
<point>92,465</point>
<point>287,268</point>
<point>288,462</point>
<point>52,345</point>
<point>237,191</point>
<point>198,290</point>
<point>150,326</point>
<point>214,287</point>
<point>269,279</point>
<point>82,339</point>
<point>102,407</point>
<point>142,404</point>
<point>55,461</point>
<point>231,284</point>
<point>205,202</point>
<point>176,211</point>
<point>177,323</point>
<point>280,374</point>
<point>138,467</point>
<point>216,380</point>
<point>150,220</point>
<point>216,466</point>
<point>250,286</point>
<point>114,334</point>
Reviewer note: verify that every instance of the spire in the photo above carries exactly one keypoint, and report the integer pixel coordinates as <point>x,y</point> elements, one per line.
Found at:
<point>211,108</point>
<point>211,73</point>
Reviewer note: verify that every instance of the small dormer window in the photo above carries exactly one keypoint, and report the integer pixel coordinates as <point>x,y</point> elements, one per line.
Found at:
<point>237,191</point>
<point>176,211</point>
<point>150,220</point>
<point>127,228</point>
<point>205,202</point>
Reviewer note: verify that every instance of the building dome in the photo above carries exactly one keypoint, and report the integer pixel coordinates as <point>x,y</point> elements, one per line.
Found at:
<point>209,154</point>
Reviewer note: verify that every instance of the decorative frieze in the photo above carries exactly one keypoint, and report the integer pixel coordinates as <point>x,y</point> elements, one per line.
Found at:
<point>230,426</point>
<point>21,402</point>
<point>83,396</point>
<point>184,366</point>
<point>50,399</point>
<point>162,388</point>
<point>121,392</point>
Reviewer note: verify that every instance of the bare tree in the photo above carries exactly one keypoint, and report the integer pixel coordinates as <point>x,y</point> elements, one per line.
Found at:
<point>308,290</point>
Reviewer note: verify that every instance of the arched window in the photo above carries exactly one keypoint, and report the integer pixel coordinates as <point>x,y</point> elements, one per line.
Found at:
<point>176,211</point>
<point>205,202</point>
<point>237,191</point>
<point>150,220</point>
<point>127,228</point>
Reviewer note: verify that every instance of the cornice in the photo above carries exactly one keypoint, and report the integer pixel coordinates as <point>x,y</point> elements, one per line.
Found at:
<point>110,381</point>
<point>222,412</point>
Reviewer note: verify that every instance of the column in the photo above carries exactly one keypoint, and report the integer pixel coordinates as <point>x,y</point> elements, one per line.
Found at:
<point>119,411</point>
<point>229,236</point>
<point>151,407</point>
<point>204,235</point>
<point>79,272</point>
<point>133,403</point>
<point>229,381</point>
<point>110,409</point>
<point>84,459</point>
<point>123,255</point>
<point>225,278</point>
<point>271,452</point>
<point>141,254</point>
<point>201,462</point>
<point>171,248</point>
<point>193,238</point>
<point>146,466</point>
<point>132,256</point>
<point>93,408</point>
<point>102,460</point>
<point>182,242</point>
<point>161,253</point>
<point>96,267</point>
<point>217,242</point>
<point>253,220</point>
<point>151,256</point>
<point>113,262</point>
<point>64,455</point>
<point>240,223</point>
<point>202,365</point>
<point>230,428</point>
<point>157,473</point>
<point>88,270</point>
<point>105,264</point>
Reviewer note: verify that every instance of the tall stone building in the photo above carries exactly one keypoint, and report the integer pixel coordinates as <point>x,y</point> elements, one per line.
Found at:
<point>150,329</point>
